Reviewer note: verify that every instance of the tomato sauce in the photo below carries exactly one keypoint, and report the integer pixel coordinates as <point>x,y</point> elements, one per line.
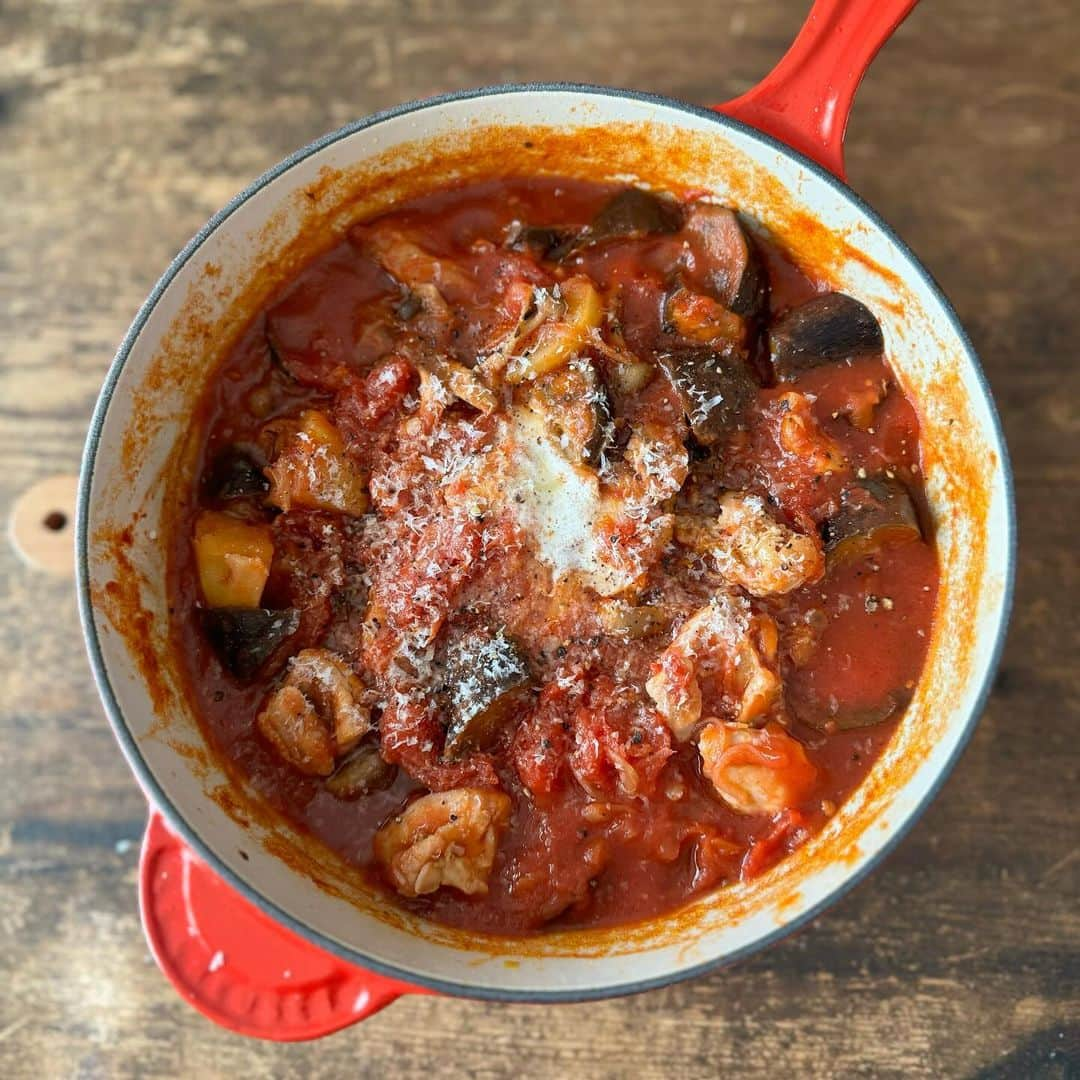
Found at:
<point>377,555</point>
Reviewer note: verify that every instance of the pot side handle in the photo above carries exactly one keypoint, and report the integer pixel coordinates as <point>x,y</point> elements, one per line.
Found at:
<point>234,963</point>
<point>805,100</point>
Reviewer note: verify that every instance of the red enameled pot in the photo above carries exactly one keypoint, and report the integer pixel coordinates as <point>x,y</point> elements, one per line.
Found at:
<point>240,936</point>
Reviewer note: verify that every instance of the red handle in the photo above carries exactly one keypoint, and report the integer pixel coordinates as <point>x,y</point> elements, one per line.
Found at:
<point>238,966</point>
<point>805,100</point>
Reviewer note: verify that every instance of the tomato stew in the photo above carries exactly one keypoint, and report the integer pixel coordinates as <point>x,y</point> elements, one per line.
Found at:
<point>558,552</point>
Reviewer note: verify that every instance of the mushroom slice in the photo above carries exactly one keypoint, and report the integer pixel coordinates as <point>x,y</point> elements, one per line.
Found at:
<point>755,771</point>
<point>449,838</point>
<point>824,330</point>
<point>234,474</point>
<point>873,513</point>
<point>839,717</point>
<point>486,679</point>
<point>543,241</point>
<point>751,548</point>
<point>464,383</point>
<point>632,213</point>
<point>317,713</point>
<point>714,388</point>
<point>525,308</point>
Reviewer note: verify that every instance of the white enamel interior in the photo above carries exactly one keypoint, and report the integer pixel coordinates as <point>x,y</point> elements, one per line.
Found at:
<point>922,343</point>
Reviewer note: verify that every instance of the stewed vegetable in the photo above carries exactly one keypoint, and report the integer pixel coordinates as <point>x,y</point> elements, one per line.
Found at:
<point>486,680</point>
<point>554,559</point>
<point>823,330</point>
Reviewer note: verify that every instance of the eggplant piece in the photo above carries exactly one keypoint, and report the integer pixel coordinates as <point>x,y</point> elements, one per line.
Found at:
<point>824,330</point>
<point>630,214</point>
<point>735,273</point>
<point>634,212</point>
<point>576,410</point>
<point>486,678</point>
<point>234,474</point>
<point>245,638</point>
<point>542,241</point>
<point>873,513</point>
<point>714,389</point>
<point>850,717</point>
<point>363,772</point>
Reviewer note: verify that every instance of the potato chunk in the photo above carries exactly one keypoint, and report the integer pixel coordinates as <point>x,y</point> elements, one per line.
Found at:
<point>722,651</point>
<point>751,548</point>
<point>233,559</point>
<point>448,838</point>
<point>755,771</point>
<point>319,712</point>
<point>310,468</point>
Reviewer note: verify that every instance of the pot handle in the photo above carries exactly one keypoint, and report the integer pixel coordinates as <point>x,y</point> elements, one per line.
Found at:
<point>805,100</point>
<point>234,963</point>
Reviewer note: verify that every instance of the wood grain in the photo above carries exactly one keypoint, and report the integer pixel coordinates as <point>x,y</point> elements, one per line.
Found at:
<point>124,125</point>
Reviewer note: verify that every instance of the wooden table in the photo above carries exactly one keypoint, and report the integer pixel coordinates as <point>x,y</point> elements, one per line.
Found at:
<point>124,125</point>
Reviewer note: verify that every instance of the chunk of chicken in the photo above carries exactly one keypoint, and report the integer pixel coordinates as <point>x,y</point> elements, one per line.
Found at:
<point>524,307</point>
<point>447,838</point>
<point>401,254</point>
<point>561,337</point>
<point>722,654</point>
<point>462,382</point>
<point>704,320</point>
<point>658,456</point>
<point>751,548</point>
<point>318,713</point>
<point>755,771</point>
<point>291,724</point>
<point>311,469</point>
<point>801,436</point>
